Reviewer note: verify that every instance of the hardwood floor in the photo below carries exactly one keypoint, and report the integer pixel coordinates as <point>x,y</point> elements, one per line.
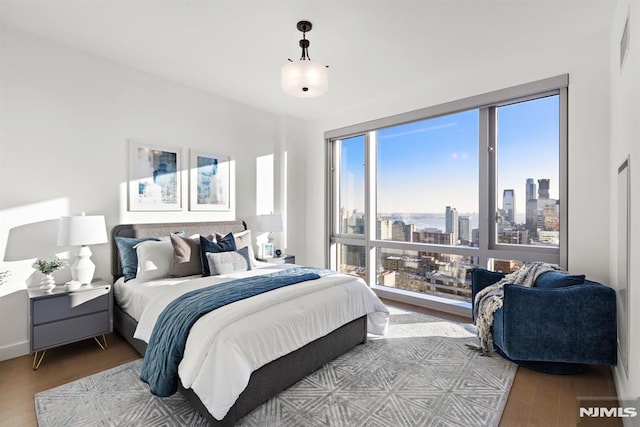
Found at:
<point>536,399</point>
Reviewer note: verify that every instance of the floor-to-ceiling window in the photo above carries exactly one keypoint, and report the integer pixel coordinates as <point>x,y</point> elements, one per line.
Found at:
<point>420,199</point>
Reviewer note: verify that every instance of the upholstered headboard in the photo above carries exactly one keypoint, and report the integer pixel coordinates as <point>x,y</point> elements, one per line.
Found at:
<point>164,229</point>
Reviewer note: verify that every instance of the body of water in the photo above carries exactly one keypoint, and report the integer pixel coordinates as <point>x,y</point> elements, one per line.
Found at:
<point>438,221</point>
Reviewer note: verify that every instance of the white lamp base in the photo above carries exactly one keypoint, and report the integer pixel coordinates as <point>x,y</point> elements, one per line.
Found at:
<point>83,268</point>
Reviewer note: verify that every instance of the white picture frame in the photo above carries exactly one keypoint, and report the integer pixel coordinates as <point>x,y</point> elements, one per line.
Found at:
<point>267,250</point>
<point>154,178</point>
<point>209,182</point>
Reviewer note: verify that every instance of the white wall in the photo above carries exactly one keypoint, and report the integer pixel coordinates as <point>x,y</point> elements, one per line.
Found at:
<point>293,184</point>
<point>625,141</point>
<point>66,118</point>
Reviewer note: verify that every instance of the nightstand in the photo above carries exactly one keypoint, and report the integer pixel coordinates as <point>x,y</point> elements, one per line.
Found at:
<point>283,259</point>
<point>62,317</point>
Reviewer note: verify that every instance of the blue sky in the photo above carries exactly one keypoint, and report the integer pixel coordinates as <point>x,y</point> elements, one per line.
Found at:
<point>427,165</point>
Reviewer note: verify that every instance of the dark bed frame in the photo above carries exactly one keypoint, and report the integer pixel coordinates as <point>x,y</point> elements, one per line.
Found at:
<point>270,379</point>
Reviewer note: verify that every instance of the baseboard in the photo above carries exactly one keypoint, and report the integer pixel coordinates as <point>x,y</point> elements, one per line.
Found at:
<point>620,381</point>
<point>14,350</point>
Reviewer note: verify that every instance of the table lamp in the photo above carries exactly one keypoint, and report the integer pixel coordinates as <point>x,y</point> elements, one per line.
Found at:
<point>82,231</point>
<point>273,224</point>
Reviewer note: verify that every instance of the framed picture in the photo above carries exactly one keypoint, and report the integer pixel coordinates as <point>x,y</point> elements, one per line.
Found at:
<point>209,182</point>
<point>267,250</point>
<point>154,178</point>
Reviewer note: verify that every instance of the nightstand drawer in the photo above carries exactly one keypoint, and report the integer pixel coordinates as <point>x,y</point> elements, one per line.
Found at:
<point>70,305</point>
<point>69,330</point>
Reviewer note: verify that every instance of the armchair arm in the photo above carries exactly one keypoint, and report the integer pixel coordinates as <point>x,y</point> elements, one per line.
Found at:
<point>574,324</point>
<point>480,279</point>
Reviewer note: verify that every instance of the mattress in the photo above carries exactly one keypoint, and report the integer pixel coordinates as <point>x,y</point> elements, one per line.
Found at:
<point>225,346</point>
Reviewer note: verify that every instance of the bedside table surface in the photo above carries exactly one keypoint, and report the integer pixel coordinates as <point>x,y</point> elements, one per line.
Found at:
<point>35,293</point>
<point>282,259</point>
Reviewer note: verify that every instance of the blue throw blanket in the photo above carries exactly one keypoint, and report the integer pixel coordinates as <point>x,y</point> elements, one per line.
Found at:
<point>169,336</point>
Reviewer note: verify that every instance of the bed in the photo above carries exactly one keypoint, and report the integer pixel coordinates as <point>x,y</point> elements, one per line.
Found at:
<point>345,330</point>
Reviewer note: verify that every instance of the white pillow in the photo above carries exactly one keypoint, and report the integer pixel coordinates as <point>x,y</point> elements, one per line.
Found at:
<point>154,259</point>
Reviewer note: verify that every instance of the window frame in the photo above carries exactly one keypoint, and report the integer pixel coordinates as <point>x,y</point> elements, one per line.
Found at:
<point>488,248</point>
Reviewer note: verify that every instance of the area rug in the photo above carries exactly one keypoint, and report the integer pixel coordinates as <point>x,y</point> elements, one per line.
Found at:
<point>420,374</point>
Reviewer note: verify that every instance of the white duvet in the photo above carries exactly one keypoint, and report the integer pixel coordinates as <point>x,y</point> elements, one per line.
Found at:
<point>225,346</point>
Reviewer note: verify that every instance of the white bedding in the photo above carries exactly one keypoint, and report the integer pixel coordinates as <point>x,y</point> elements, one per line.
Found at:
<point>133,296</point>
<point>225,346</point>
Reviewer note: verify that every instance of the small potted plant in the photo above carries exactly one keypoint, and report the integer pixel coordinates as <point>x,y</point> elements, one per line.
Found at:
<point>47,267</point>
<point>3,276</point>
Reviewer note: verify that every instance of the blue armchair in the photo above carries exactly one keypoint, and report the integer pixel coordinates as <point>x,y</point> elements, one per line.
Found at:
<point>556,326</point>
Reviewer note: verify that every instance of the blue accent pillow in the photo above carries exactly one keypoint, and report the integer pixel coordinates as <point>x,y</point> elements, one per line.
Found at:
<point>227,243</point>
<point>128,255</point>
<point>555,279</point>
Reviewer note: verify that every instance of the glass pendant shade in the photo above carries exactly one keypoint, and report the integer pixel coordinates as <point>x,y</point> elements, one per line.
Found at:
<point>304,78</point>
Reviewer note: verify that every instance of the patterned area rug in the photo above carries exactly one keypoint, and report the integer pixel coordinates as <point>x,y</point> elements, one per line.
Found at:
<point>419,374</point>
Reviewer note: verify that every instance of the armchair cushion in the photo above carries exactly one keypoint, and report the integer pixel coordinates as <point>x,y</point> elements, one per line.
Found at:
<point>555,279</point>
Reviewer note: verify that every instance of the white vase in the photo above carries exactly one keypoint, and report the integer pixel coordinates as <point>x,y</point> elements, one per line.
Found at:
<point>47,283</point>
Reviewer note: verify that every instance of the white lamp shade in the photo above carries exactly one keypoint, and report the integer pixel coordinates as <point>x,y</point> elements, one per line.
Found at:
<point>271,223</point>
<point>81,230</point>
<point>298,75</point>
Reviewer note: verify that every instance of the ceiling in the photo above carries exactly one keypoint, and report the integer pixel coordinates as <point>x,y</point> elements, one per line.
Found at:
<point>377,50</point>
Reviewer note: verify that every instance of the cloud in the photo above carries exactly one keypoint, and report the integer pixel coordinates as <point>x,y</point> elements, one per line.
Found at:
<point>463,155</point>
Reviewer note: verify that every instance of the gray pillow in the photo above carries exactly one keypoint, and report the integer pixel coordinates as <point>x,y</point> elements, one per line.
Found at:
<point>186,256</point>
<point>229,262</point>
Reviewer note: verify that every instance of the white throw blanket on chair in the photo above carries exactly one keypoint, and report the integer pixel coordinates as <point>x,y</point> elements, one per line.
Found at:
<point>490,299</point>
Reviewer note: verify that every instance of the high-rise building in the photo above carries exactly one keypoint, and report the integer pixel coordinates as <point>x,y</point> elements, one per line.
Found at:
<point>353,257</point>
<point>531,207</point>
<point>408,232</point>
<point>504,266</point>
<point>531,190</point>
<point>402,232</point>
<point>451,222</point>
<point>464,228</point>
<point>355,223</point>
<point>433,237</point>
<point>543,188</point>
<point>384,229</point>
<point>508,205</point>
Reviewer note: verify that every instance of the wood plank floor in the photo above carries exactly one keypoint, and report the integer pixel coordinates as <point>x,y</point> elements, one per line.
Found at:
<point>536,399</point>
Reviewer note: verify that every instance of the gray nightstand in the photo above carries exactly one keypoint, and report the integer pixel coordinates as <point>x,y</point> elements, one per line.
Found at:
<point>61,317</point>
<point>283,259</point>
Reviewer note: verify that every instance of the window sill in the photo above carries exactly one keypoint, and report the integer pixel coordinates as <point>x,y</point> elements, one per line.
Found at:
<point>431,302</point>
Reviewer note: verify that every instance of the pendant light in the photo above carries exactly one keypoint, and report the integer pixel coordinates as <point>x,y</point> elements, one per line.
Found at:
<point>304,78</point>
